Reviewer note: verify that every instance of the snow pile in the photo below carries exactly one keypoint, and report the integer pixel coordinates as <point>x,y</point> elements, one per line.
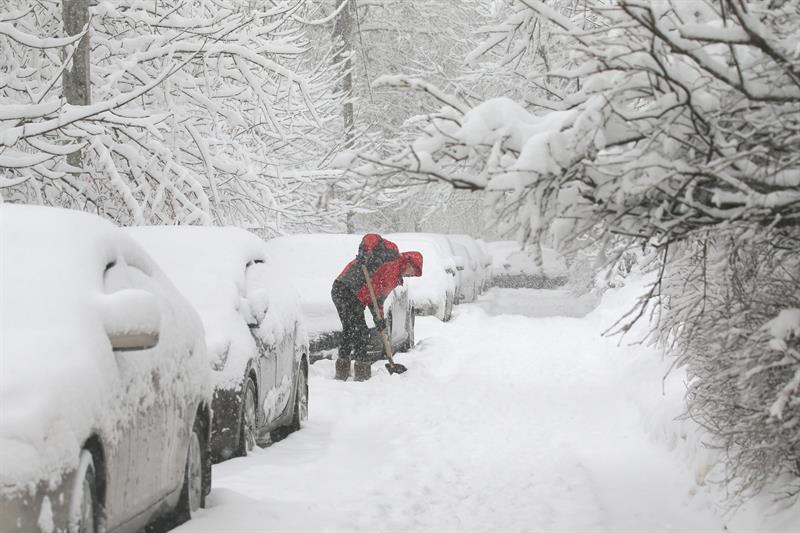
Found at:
<point>60,381</point>
<point>228,277</point>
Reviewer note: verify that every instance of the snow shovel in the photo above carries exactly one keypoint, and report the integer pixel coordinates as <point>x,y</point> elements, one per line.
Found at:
<point>391,366</point>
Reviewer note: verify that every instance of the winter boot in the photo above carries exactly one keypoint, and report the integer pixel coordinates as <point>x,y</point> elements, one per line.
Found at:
<point>362,371</point>
<point>342,368</point>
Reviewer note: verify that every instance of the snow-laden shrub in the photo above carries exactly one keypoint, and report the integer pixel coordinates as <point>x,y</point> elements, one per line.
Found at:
<point>732,312</point>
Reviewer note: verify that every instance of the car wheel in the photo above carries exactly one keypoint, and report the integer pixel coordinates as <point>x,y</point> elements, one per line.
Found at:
<point>448,308</point>
<point>300,400</point>
<point>408,344</point>
<point>84,507</point>
<point>410,330</point>
<point>247,439</point>
<point>193,494</point>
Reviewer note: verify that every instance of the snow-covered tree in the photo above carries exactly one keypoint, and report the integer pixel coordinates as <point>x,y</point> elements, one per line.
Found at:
<point>427,39</point>
<point>673,124</point>
<point>200,112</point>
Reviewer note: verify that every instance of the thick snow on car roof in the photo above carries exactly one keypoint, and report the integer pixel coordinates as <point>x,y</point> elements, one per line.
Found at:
<point>59,379</point>
<point>312,262</point>
<point>208,265</point>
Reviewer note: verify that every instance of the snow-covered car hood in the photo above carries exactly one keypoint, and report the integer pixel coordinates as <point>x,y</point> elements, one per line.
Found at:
<point>208,265</point>
<point>59,378</point>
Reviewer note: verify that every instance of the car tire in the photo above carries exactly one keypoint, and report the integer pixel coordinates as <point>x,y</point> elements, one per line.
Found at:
<point>193,493</point>
<point>248,421</point>
<point>84,507</point>
<point>412,324</point>
<point>300,400</point>
<point>448,308</point>
<point>408,344</point>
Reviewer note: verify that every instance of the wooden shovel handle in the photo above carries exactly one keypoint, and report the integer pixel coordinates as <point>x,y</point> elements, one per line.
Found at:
<point>387,346</point>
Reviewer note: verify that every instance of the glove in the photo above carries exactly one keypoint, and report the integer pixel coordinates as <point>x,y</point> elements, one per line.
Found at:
<point>380,324</point>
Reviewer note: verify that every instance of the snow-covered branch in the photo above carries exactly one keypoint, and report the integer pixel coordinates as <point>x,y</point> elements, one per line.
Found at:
<point>193,105</point>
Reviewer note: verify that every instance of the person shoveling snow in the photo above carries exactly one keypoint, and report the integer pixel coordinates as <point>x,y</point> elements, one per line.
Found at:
<point>366,281</point>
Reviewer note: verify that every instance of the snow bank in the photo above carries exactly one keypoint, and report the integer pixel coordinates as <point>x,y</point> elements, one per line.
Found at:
<point>59,380</point>
<point>227,275</point>
<point>658,390</point>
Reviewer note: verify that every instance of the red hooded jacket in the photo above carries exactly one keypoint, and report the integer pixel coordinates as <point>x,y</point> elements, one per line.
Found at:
<point>386,266</point>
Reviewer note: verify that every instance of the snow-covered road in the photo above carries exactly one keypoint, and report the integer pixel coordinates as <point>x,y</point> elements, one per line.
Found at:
<point>524,421</point>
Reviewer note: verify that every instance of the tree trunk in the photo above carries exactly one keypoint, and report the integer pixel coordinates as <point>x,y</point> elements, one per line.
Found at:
<point>343,40</point>
<point>76,81</point>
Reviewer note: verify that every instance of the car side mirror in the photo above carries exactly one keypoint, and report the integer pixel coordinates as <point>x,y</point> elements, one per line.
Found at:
<point>132,319</point>
<point>256,306</point>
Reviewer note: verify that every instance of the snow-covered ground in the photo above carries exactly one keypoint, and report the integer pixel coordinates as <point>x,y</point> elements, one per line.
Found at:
<point>520,420</point>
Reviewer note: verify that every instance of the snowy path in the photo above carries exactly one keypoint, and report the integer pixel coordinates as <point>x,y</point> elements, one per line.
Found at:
<point>503,422</point>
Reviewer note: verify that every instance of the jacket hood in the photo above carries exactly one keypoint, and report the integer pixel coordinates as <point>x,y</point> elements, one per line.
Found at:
<point>415,259</point>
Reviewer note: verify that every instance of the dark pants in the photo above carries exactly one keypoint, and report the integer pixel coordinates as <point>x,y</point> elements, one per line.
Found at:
<point>355,334</point>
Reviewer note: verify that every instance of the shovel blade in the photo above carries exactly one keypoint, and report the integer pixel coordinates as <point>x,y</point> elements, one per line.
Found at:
<point>396,368</point>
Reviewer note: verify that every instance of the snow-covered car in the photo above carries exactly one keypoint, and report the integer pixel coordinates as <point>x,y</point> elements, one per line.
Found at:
<point>513,266</point>
<point>499,251</point>
<point>486,261</point>
<point>312,262</point>
<point>254,330</point>
<point>472,274</point>
<point>105,388</point>
<point>434,292</point>
<point>455,259</point>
